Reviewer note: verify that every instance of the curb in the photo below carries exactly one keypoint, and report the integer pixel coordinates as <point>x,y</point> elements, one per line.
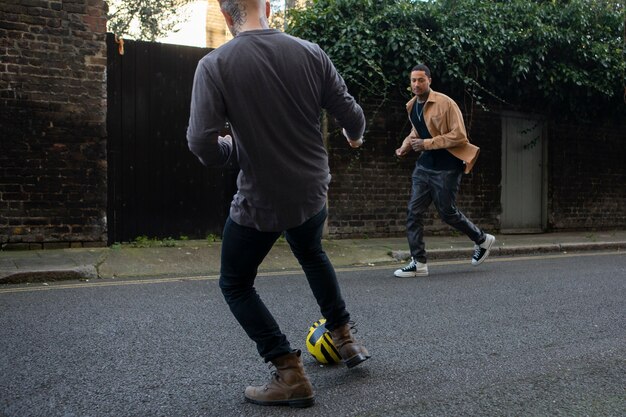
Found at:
<point>90,271</point>
<point>80,273</point>
<point>441,254</point>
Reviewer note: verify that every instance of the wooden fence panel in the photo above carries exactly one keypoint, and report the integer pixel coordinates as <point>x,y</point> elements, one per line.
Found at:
<point>157,188</point>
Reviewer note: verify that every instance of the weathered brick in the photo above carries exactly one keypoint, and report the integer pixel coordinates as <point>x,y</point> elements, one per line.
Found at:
<point>50,94</point>
<point>34,3</point>
<point>33,20</point>
<point>14,27</point>
<point>386,180</point>
<point>53,163</point>
<point>12,7</point>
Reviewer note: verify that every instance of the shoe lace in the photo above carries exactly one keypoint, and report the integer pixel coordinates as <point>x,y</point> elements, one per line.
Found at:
<point>411,265</point>
<point>353,328</point>
<point>477,249</point>
<point>273,371</point>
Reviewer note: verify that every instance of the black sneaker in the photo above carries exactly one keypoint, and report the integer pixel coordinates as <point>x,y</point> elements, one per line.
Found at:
<point>482,251</point>
<point>413,269</point>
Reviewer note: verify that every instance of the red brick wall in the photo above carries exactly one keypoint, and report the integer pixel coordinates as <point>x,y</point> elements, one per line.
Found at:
<point>53,123</point>
<point>216,30</point>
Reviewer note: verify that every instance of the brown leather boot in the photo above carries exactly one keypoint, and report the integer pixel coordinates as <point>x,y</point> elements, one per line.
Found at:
<point>289,385</point>
<point>351,352</point>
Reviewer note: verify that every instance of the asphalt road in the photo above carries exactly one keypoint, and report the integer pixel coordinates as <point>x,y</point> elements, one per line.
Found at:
<point>540,336</point>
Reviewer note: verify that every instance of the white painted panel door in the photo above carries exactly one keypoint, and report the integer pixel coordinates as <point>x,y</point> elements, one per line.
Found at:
<point>522,174</point>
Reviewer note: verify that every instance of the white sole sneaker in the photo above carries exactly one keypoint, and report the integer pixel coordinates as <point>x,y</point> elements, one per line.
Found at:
<point>484,248</point>
<point>419,272</point>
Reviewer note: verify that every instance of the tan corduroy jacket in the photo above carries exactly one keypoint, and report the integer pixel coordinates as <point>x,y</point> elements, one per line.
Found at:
<point>445,124</point>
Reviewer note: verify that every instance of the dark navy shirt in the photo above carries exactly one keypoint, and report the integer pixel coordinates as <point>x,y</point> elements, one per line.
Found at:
<point>436,159</point>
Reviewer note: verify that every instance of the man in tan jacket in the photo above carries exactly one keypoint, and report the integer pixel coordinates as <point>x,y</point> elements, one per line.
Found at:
<point>438,133</point>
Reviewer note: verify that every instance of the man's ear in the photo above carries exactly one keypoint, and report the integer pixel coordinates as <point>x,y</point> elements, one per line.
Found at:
<point>228,18</point>
<point>268,8</point>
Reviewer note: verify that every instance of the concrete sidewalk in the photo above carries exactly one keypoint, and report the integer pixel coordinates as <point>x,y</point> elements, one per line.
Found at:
<point>198,257</point>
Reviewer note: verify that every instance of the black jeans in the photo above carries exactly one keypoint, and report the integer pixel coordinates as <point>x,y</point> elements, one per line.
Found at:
<point>243,250</point>
<point>441,188</point>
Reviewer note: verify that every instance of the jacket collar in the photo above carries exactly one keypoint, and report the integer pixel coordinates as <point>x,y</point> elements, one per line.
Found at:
<point>431,98</point>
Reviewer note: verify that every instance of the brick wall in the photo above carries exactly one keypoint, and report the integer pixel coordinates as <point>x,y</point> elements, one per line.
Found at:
<point>370,187</point>
<point>587,180</point>
<point>53,172</point>
<point>53,123</point>
<point>217,32</point>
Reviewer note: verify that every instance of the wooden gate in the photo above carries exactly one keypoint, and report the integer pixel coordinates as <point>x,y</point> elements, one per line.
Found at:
<point>156,186</point>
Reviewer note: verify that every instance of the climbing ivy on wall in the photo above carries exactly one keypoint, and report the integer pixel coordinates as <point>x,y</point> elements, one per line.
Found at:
<point>563,58</point>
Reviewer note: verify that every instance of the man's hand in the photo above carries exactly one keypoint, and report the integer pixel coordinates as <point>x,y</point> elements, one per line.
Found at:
<point>417,145</point>
<point>228,139</point>
<point>403,150</point>
<point>406,147</point>
<point>353,143</point>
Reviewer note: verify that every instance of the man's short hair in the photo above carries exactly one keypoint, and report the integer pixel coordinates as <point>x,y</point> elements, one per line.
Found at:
<point>422,67</point>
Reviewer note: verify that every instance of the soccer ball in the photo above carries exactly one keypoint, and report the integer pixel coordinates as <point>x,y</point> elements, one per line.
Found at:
<point>320,344</point>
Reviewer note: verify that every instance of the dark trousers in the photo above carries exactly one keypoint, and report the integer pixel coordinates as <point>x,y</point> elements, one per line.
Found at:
<point>439,187</point>
<point>243,250</point>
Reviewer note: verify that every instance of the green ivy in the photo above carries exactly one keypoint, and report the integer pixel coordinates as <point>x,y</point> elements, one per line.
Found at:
<point>563,58</point>
<point>145,19</point>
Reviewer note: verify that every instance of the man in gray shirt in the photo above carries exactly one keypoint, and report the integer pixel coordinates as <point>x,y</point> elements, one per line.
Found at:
<point>270,87</point>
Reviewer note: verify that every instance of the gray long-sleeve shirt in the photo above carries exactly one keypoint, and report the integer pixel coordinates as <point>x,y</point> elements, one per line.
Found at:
<point>271,88</point>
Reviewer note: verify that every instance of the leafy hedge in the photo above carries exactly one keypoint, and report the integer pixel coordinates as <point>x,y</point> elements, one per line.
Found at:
<point>556,57</point>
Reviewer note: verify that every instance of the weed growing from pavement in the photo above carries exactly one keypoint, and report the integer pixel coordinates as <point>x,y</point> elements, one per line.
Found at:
<point>146,242</point>
<point>212,238</point>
